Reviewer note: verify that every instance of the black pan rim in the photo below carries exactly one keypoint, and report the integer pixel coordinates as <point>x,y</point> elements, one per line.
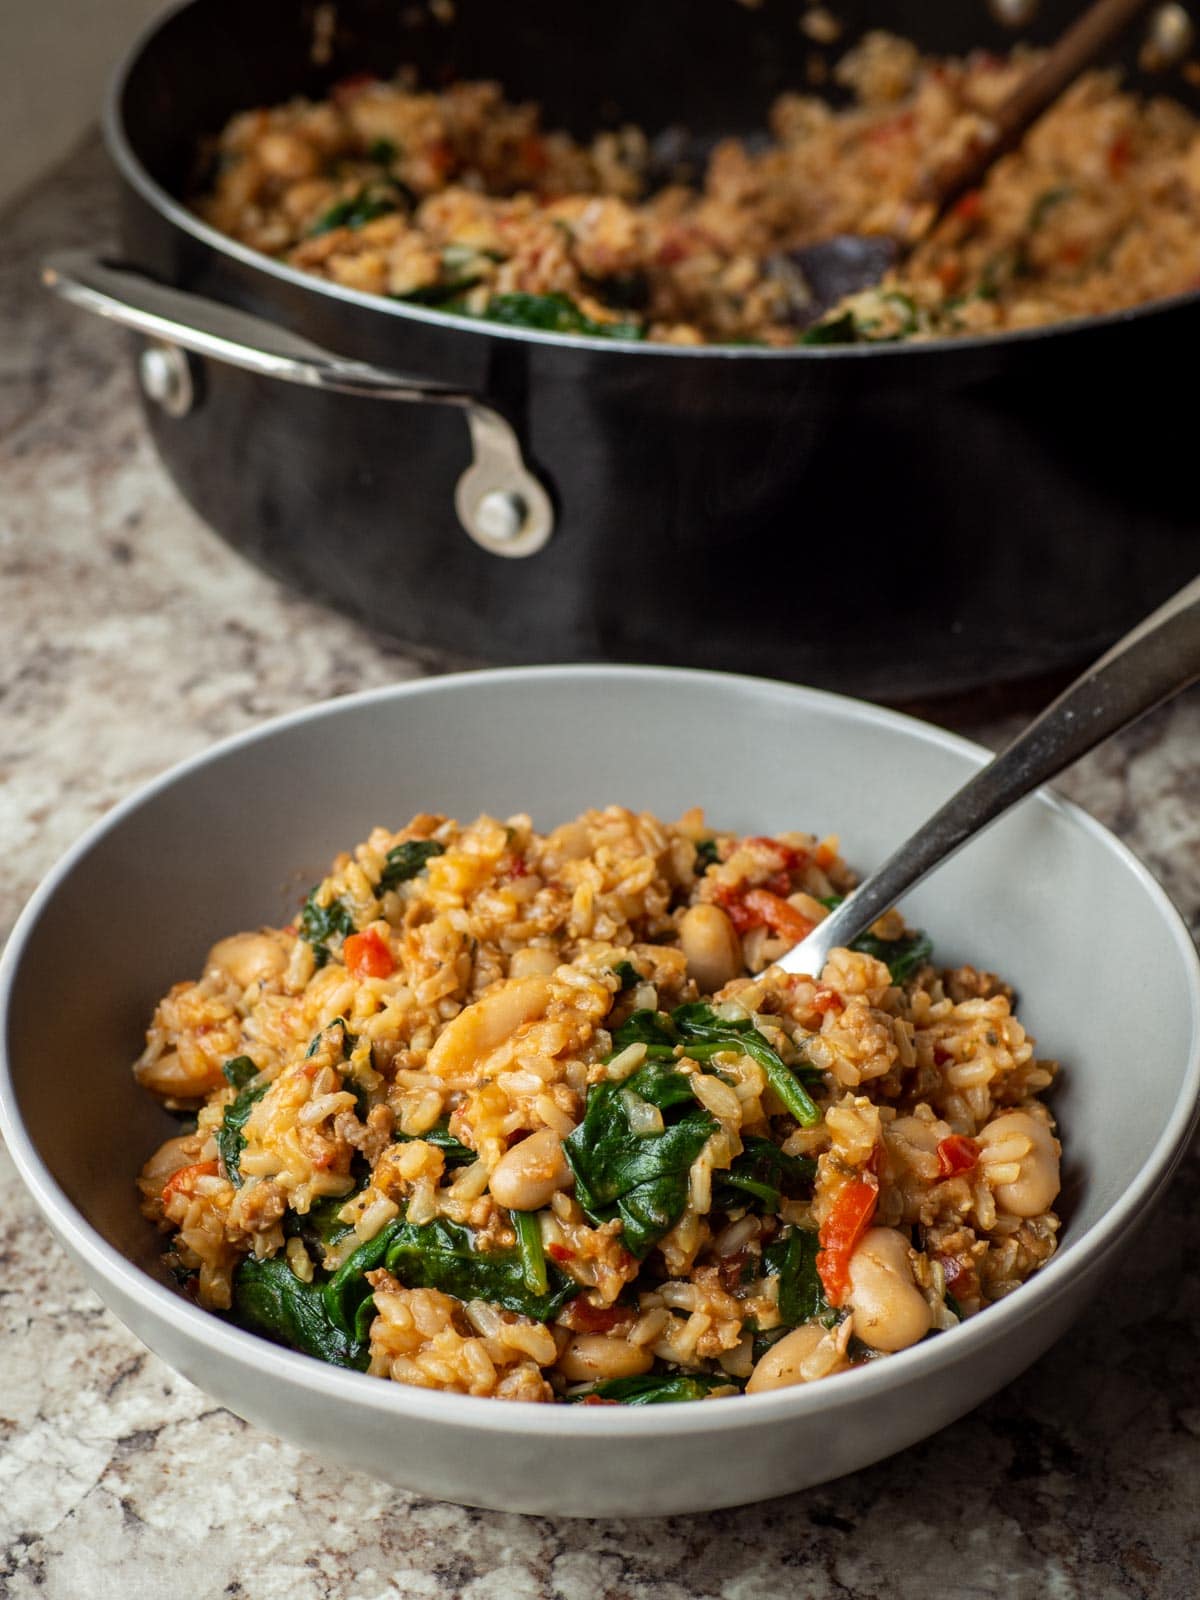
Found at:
<point>167,206</point>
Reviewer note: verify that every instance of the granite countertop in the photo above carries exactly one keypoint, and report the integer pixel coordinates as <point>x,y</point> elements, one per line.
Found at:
<point>133,637</point>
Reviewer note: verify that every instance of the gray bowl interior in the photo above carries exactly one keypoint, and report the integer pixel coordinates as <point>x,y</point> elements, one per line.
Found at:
<point>1046,898</point>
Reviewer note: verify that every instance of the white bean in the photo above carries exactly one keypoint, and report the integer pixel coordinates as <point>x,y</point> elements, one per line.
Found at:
<point>712,947</point>
<point>528,1176</point>
<point>532,961</point>
<point>248,958</point>
<point>890,1312</point>
<point>173,1078</point>
<point>590,1357</point>
<point>481,1028</point>
<point>1036,1187</point>
<point>780,1366</point>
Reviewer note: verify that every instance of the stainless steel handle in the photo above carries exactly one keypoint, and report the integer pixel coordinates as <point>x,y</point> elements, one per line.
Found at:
<point>1157,659</point>
<point>499,501</point>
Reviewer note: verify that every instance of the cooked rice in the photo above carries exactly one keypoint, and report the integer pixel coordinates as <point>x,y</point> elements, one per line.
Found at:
<point>384,1084</point>
<point>459,199</point>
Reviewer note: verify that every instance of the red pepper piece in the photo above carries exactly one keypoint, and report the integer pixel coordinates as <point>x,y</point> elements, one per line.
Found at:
<point>840,1232</point>
<point>956,1153</point>
<point>366,955</point>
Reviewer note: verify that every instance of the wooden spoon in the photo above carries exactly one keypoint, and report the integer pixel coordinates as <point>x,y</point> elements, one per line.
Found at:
<point>847,263</point>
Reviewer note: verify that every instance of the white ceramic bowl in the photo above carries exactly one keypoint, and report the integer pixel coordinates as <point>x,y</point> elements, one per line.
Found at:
<point>1107,977</point>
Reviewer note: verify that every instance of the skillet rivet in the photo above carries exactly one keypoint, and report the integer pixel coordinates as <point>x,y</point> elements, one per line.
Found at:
<point>166,378</point>
<point>500,516</point>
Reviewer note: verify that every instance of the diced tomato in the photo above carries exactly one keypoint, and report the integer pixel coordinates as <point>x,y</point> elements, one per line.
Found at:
<point>968,206</point>
<point>953,1269</point>
<point>778,883</point>
<point>366,955</point>
<point>841,1231</point>
<point>949,274</point>
<point>198,1169</point>
<point>517,868</point>
<point>778,914</point>
<point>1120,151</point>
<point>560,1252</point>
<point>349,88</point>
<point>956,1154</point>
<point>826,999</point>
<point>440,157</point>
<point>533,153</point>
<point>582,1316</point>
<point>1072,254</point>
<point>941,1057</point>
<point>597,1400</point>
<point>825,854</point>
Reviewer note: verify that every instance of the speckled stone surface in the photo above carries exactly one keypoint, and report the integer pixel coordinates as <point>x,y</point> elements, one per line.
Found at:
<point>130,637</point>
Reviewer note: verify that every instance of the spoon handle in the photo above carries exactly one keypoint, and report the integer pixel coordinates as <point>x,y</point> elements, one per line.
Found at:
<point>1087,37</point>
<point>1157,659</point>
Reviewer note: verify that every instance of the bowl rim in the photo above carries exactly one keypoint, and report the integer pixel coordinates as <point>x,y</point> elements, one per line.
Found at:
<point>263,1360</point>
<point>172,210</point>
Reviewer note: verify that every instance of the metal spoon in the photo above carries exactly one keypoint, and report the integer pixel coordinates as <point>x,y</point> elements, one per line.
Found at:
<point>847,263</point>
<point>1156,660</point>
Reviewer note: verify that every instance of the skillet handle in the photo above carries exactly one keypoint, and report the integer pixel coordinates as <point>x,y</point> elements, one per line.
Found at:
<point>499,501</point>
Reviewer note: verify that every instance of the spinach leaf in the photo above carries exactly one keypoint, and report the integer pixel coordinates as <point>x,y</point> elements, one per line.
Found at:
<point>841,329</point>
<point>455,1153</point>
<point>554,313</point>
<point>1045,204</point>
<point>656,1388</point>
<point>239,1071</point>
<point>707,854</point>
<point>705,1033</point>
<point>640,1178</point>
<point>654,1029</point>
<point>441,1255</point>
<point>349,1040</point>
<point>529,1247</point>
<point>629,975</point>
<point>353,212</point>
<point>900,956</point>
<point>320,1225</point>
<point>383,151</point>
<point>405,861</point>
<point>764,1173</point>
<point>230,1139</point>
<point>319,924</point>
<point>953,1305</point>
<point>268,1298</point>
<point>792,1258</point>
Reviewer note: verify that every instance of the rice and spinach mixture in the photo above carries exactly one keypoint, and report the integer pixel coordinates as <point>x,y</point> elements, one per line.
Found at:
<point>534,1116</point>
<point>460,200</point>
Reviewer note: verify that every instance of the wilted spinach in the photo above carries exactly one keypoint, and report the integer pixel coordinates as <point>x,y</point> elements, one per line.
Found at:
<point>900,956</point>
<point>319,924</point>
<point>706,1033</point>
<point>405,861</point>
<point>364,206</point>
<point>441,1255</point>
<point>640,1178</point>
<point>554,313</point>
<point>656,1388</point>
<point>230,1139</point>
<point>792,1258</point>
<point>762,1174</point>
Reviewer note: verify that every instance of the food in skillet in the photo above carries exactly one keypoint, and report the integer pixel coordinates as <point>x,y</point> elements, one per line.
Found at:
<point>534,1116</point>
<point>459,200</point>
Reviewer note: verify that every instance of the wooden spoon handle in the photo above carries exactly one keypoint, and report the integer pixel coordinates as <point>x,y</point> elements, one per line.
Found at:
<point>1089,35</point>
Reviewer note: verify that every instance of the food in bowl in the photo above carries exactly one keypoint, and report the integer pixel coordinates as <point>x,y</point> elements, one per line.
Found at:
<point>534,1116</point>
<point>458,199</point>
